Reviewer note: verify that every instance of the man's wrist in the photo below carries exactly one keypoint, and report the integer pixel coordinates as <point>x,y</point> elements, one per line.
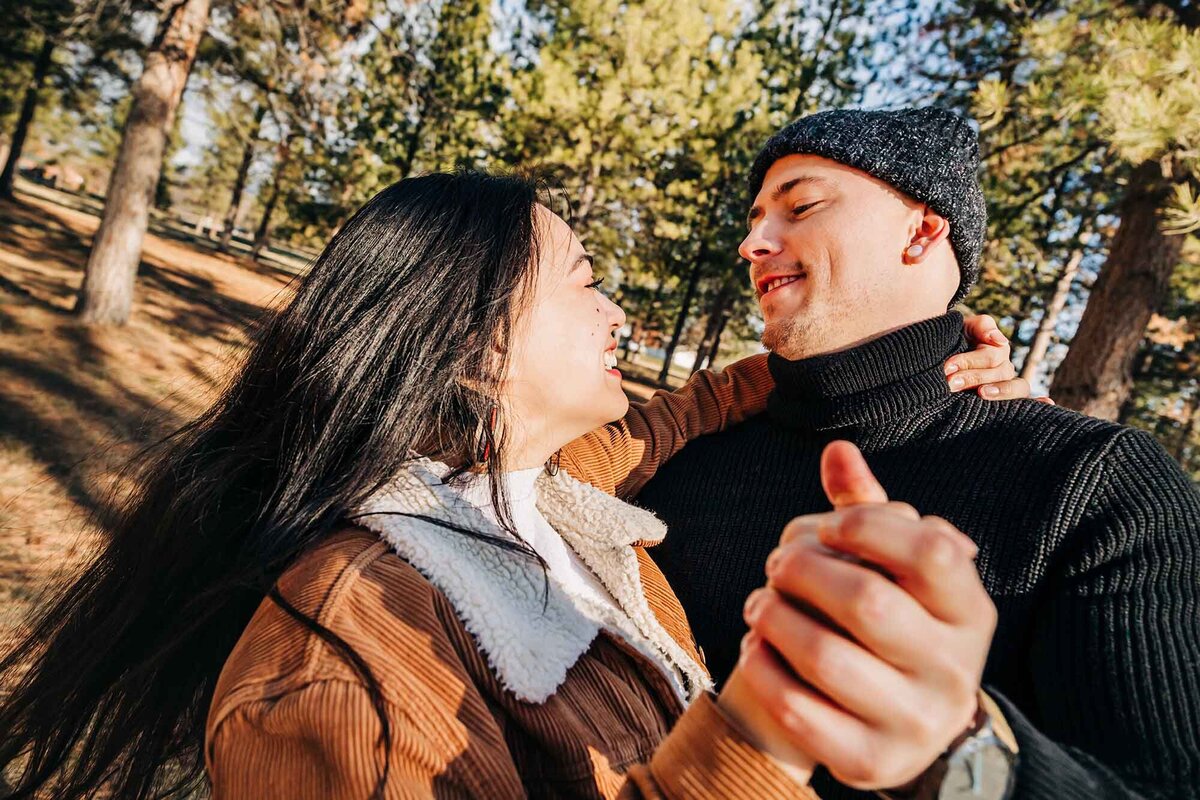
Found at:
<point>988,730</point>
<point>998,722</point>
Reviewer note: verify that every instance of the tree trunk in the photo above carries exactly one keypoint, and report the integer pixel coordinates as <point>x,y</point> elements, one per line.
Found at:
<point>41,68</point>
<point>685,306</point>
<point>1095,378</point>
<point>1189,427</point>
<point>106,296</point>
<point>1143,361</point>
<point>239,184</point>
<point>581,214</point>
<point>263,235</point>
<point>634,331</point>
<point>411,144</point>
<point>587,198</point>
<point>643,326</point>
<point>717,314</point>
<point>702,349</point>
<point>200,222</point>
<point>714,349</point>
<point>1045,330</point>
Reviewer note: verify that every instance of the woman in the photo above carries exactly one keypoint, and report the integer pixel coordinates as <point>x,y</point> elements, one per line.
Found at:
<point>425,629</point>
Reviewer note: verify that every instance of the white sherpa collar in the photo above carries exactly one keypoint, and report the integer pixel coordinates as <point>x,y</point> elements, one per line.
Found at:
<point>530,637</point>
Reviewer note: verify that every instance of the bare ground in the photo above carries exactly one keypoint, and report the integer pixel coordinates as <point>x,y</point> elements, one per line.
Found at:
<point>76,403</point>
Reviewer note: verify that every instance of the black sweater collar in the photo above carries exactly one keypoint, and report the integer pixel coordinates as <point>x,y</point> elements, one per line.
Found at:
<point>885,378</point>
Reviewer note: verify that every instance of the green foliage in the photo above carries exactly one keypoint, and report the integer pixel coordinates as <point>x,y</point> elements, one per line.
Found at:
<point>269,73</point>
<point>1070,97</point>
<point>649,112</point>
<point>85,93</point>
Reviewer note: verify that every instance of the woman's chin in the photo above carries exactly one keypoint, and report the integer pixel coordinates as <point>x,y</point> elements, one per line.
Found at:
<point>621,407</point>
<point>613,410</point>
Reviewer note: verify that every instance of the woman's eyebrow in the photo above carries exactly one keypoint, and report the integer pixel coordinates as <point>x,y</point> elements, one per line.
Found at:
<point>584,259</point>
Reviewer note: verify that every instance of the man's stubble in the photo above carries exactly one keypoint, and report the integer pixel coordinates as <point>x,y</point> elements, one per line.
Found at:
<point>803,334</point>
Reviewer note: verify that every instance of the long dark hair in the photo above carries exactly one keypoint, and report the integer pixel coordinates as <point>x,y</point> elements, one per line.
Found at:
<point>389,347</point>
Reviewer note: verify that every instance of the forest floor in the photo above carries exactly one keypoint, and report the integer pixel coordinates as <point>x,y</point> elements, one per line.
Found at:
<point>77,403</point>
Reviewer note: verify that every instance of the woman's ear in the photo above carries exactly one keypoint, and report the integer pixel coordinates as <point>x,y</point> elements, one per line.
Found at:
<point>494,356</point>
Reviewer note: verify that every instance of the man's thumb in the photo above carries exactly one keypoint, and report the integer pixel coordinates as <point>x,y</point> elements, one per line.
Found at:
<point>847,478</point>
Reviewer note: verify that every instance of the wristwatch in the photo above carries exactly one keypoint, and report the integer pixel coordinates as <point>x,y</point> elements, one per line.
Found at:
<point>981,764</point>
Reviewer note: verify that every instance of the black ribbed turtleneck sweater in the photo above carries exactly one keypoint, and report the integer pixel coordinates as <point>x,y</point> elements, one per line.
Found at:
<point>1088,534</point>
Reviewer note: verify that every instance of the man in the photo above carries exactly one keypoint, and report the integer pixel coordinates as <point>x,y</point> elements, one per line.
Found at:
<point>865,228</point>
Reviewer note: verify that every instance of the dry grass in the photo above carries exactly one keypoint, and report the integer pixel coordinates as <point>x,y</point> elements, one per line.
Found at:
<point>76,403</point>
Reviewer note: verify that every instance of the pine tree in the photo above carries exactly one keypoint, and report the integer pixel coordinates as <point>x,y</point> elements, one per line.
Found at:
<point>106,296</point>
<point>1074,100</point>
<point>66,43</point>
<point>1146,96</point>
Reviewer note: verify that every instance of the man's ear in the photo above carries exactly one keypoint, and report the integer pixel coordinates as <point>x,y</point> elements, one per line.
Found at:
<point>931,230</point>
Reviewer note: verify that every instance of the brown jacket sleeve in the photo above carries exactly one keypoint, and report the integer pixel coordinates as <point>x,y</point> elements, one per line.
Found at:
<point>622,456</point>
<point>706,757</point>
<point>291,720</point>
<point>322,742</point>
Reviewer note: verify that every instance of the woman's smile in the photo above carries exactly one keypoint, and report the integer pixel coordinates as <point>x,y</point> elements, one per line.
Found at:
<point>609,359</point>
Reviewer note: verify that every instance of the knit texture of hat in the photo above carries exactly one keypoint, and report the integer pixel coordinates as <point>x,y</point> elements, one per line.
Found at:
<point>929,154</point>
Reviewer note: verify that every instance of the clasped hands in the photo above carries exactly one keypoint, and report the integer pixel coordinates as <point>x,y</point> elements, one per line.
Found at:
<point>867,645</point>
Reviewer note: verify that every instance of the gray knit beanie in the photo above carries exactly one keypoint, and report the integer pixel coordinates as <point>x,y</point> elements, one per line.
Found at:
<point>929,154</point>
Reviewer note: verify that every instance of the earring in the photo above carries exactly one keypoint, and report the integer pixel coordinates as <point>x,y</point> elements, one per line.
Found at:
<point>914,251</point>
<point>485,434</point>
<point>554,462</point>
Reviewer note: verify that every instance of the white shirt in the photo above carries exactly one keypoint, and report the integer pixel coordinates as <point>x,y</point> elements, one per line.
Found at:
<point>564,565</point>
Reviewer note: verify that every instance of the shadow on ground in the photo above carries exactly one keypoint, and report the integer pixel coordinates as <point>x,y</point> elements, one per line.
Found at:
<point>77,404</point>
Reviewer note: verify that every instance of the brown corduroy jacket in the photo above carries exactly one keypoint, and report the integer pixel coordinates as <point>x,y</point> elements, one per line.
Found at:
<point>291,719</point>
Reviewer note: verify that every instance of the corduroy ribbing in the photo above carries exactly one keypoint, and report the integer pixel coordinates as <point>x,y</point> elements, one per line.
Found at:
<point>720,762</point>
<point>292,721</point>
<point>619,458</point>
<point>1089,536</point>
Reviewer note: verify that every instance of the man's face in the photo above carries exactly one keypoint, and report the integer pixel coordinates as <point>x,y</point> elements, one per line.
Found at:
<point>827,257</point>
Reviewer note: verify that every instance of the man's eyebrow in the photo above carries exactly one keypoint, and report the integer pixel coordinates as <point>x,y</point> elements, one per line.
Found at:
<point>782,189</point>
<point>787,186</point>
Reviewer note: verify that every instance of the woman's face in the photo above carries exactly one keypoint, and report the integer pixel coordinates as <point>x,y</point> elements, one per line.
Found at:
<point>558,385</point>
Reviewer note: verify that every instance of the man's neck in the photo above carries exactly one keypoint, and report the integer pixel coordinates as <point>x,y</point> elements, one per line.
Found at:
<point>840,337</point>
<point>878,379</point>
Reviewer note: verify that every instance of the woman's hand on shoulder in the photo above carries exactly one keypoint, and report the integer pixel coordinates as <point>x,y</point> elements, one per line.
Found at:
<point>987,368</point>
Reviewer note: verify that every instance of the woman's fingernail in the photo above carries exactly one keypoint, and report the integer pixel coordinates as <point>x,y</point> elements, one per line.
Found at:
<point>956,382</point>
<point>773,562</point>
<point>951,368</point>
<point>991,391</point>
<point>753,605</point>
<point>997,337</point>
<point>748,643</point>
